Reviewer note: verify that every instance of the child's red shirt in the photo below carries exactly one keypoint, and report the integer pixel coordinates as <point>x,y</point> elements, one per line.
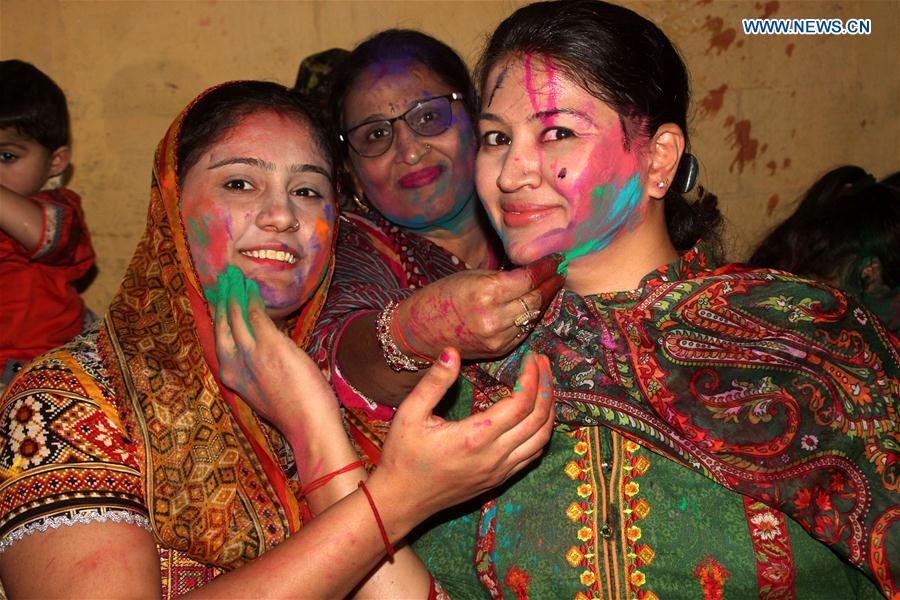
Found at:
<point>39,305</point>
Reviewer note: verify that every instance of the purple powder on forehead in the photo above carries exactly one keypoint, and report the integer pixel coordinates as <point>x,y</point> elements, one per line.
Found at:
<point>499,83</point>
<point>392,66</point>
<point>562,173</point>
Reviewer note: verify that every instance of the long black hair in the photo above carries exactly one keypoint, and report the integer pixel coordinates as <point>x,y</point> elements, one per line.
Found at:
<point>627,62</point>
<point>846,215</point>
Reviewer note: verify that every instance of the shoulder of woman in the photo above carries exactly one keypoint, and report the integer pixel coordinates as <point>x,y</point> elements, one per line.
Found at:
<point>61,438</point>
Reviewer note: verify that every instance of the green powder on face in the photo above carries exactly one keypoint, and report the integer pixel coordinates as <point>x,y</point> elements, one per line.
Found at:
<point>600,194</point>
<point>210,292</point>
<point>254,294</point>
<point>237,290</point>
<point>214,292</point>
<point>575,252</point>
<point>200,233</point>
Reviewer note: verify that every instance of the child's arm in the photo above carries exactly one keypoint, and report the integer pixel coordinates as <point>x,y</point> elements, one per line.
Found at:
<point>62,235</point>
<point>21,218</point>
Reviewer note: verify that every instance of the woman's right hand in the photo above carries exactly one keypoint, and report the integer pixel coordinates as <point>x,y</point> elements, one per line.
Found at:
<point>476,311</point>
<point>430,464</point>
<point>266,368</point>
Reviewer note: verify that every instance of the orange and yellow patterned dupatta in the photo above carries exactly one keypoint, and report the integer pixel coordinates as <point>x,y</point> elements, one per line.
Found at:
<point>212,481</point>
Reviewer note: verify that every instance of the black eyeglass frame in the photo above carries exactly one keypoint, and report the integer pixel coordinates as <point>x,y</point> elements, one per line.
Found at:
<point>345,136</point>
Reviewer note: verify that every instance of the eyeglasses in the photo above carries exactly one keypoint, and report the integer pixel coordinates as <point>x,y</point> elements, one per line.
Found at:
<point>429,117</point>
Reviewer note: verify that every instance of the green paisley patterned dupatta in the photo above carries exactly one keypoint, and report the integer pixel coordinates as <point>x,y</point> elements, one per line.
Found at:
<point>776,387</point>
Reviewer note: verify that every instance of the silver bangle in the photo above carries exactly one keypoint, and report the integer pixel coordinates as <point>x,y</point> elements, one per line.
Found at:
<point>393,356</point>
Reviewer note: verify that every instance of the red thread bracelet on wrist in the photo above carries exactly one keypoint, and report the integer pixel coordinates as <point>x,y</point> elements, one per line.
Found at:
<point>317,483</point>
<point>402,338</point>
<point>384,535</point>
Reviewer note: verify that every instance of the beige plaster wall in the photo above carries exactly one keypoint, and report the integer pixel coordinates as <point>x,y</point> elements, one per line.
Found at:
<point>771,114</point>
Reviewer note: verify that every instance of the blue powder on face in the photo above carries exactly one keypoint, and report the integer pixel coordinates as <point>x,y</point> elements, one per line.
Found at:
<point>622,207</point>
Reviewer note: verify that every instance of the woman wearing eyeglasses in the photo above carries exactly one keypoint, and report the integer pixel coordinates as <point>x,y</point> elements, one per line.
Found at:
<point>416,269</point>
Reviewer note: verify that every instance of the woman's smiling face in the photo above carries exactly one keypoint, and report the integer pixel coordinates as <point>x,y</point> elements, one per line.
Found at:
<point>420,183</point>
<point>554,170</point>
<point>262,199</point>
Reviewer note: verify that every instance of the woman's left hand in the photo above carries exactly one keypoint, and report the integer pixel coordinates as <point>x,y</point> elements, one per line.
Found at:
<point>429,463</point>
<point>483,314</point>
<point>263,365</point>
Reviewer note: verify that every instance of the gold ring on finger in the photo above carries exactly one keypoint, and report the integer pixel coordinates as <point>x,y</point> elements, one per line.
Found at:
<point>526,318</point>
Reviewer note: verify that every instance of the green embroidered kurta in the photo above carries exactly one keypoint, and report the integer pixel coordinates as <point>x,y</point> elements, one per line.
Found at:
<point>744,379</point>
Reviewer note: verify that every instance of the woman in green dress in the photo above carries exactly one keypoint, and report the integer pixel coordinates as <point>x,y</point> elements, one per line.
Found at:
<point>725,431</point>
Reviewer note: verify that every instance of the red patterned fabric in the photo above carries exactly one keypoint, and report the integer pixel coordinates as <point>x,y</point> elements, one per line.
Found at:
<point>375,263</point>
<point>772,545</point>
<point>40,307</point>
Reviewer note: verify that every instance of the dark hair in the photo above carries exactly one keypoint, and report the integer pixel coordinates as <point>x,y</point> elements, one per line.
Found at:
<point>315,77</point>
<point>845,215</point>
<point>402,44</point>
<point>210,117</point>
<point>33,104</point>
<point>627,62</point>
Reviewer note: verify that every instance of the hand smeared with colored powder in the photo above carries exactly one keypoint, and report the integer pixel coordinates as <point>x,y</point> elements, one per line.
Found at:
<point>232,286</point>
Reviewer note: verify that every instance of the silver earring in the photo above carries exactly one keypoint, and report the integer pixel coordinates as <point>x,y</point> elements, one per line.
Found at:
<point>661,183</point>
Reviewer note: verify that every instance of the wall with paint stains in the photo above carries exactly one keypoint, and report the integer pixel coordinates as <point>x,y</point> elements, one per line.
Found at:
<point>771,113</point>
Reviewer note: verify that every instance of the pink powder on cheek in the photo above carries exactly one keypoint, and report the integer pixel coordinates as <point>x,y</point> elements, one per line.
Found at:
<point>219,245</point>
<point>608,163</point>
<point>375,177</point>
<point>319,247</point>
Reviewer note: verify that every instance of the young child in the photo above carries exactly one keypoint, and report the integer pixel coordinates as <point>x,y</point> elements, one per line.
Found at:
<point>44,242</point>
